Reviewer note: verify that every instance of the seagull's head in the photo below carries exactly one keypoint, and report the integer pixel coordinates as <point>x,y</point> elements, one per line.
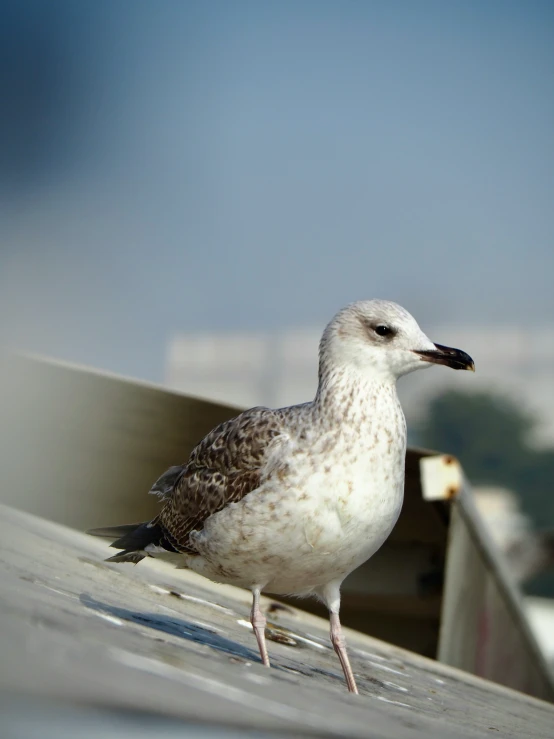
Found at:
<point>380,338</point>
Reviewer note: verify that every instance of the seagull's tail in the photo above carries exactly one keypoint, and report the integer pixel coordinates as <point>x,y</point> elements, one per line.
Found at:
<point>133,539</point>
<point>114,532</point>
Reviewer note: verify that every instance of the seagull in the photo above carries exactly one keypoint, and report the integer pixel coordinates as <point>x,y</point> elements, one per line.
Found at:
<point>290,501</point>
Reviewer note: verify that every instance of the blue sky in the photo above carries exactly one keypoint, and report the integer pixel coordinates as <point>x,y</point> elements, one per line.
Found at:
<point>230,165</point>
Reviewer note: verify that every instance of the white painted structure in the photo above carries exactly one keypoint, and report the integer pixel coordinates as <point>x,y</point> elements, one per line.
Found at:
<point>540,612</point>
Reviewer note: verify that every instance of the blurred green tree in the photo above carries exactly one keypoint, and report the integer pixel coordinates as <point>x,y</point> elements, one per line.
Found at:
<point>488,433</point>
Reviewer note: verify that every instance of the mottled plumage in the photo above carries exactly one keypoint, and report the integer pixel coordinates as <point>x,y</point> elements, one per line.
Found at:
<point>224,467</point>
<point>292,500</point>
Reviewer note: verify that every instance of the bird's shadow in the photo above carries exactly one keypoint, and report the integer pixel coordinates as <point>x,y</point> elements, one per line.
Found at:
<point>173,626</point>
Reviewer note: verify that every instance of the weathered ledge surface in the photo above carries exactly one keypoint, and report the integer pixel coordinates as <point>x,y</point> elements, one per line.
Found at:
<point>172,648</point>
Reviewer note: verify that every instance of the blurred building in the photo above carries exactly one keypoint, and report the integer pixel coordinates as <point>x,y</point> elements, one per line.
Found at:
<point>246,368</point>
<point>280,368</point>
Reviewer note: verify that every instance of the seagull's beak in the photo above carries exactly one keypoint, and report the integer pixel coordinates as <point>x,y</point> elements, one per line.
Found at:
<point>455,358</point>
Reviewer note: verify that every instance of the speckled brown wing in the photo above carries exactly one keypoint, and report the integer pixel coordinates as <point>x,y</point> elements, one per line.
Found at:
<point>224,467</point>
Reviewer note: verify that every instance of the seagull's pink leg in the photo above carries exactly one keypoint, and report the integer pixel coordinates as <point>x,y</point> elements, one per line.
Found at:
<point>258,621</point>
<point>339,643</point>
<point>330,594</point>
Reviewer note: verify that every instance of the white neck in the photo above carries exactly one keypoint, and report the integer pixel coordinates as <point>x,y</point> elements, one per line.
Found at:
<point>346,394</point>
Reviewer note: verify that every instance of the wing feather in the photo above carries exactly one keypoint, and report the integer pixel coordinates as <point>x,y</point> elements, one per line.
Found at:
<point>224,467</point>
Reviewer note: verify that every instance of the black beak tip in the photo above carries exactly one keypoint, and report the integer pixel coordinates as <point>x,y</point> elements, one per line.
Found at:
<point>450,357</point>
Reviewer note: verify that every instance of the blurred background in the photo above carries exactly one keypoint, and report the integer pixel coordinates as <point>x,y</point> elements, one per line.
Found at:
<point>189,191</point>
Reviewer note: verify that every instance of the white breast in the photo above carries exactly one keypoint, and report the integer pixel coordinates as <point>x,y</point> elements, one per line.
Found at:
<point>350,504</point>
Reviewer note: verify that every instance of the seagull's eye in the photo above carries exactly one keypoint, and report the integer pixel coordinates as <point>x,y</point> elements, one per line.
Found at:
<point>382,330</point>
